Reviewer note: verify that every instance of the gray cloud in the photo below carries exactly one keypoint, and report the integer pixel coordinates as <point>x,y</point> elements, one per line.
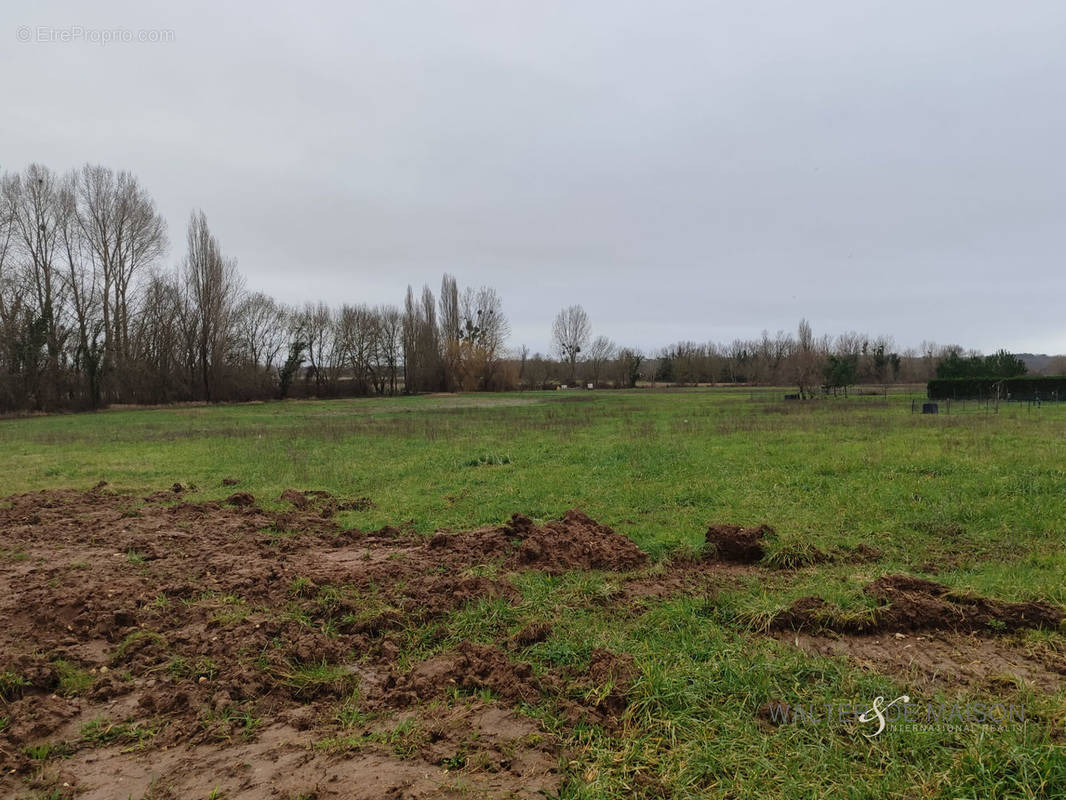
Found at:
<point>685,170</point>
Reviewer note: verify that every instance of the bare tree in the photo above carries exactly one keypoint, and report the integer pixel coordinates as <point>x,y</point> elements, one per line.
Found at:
<point>84,289</point>
<point>421,343</point>
<point>600,352</point>
<point>32,199</point>
<point>570,333</point>
<point>359,338</point>
<point>317,326</point>
<point>214,289</point>
<point>450,333</point>
<point>390,347</point>
<point>483,333</point>
<point>164,342</point>
<point>807,362</point>
<point>260,330</point>
<point>124,234</point>
<point>260,336</point>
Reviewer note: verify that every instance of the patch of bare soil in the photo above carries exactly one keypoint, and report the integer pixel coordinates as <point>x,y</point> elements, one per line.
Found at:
<point>679,578</point>
<point>323,502</point>
<point>166,648</point>
<point>472,667</point>
<point>573,542</point>
<point>736,544</point>
<point>908,604</point>
<point>916,604</point>
<point>940,659</point>
<point>862,553</point>
<point>489,752</point>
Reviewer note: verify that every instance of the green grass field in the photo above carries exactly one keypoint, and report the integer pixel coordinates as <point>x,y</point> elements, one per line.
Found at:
<point>972,499</point>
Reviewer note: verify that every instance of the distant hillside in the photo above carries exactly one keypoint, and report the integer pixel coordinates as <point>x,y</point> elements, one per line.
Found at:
<point>1040,363</point>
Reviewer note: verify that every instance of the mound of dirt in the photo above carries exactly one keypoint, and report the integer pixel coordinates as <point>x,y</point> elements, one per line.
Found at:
<point>242,499</point>
<point>917,604</point>
<point>298,499</point>
<point>914,604</point>
<point>533,633</point>
<point>574,542</point>
<point>736,544</point>
<point>472,667</point>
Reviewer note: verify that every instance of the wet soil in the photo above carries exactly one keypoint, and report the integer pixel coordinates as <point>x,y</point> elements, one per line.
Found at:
<point>165,647</point>
<point>942,660</point>
<point>907,604</point>
<point>736,544</point>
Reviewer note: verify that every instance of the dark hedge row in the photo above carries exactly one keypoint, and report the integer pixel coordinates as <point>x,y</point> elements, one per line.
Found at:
<point>1045,388</point>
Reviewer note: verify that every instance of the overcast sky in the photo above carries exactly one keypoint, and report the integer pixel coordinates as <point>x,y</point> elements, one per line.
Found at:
<point>695,171</point>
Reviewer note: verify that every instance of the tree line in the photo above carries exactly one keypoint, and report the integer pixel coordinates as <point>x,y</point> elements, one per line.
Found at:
<point>90,316</point>
<point>814,364</point>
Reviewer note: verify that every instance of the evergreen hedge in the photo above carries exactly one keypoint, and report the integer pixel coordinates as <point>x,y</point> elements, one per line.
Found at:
<point>1024,387</point>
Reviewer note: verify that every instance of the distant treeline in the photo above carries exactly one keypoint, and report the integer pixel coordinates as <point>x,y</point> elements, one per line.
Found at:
<point>90,316</point>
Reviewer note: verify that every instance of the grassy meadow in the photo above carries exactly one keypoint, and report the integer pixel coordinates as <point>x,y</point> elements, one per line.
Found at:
<point>972,499</point>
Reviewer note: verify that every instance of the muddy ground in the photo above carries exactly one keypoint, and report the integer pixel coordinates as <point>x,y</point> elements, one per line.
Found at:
<point>157,648</point>
<point>163,648</point>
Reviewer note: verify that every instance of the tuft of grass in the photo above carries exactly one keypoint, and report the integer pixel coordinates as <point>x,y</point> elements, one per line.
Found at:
<point>53,794</point>
<point>790,552</point>
<point>223,725</point>
<point>685,553</point>
<point>405,739</point>
<point>306,681</point>
<point>137,640</point>
<point>73,680</point>
<point>44,751</point>
<point>227,609</point>
<point>134,734</point>
<point>349,713</point>
<point>11,684</point>
<point>184,669</point>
